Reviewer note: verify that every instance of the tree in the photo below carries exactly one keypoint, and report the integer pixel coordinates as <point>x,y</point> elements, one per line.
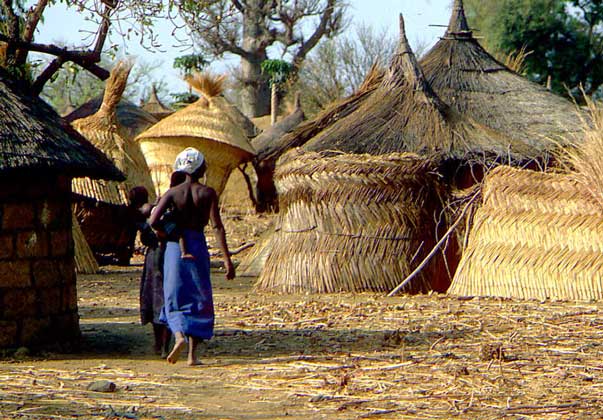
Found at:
<point>337,67</point>
<point>565,38</point>
<point>251,29</point>
<point>278,71</point>
<point>18,25</point>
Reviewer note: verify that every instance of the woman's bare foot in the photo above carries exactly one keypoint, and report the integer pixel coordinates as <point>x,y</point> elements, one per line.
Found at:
<point>194,362</point>
<point>179,345</point>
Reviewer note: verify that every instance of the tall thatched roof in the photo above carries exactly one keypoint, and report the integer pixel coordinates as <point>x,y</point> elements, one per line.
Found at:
<point>102,130</point>
<point>34,138</point>
<point>476,85</point>
<point>131,119</point>
<point>155,107</point>
<point>404,114</point>
<point>208,118</point>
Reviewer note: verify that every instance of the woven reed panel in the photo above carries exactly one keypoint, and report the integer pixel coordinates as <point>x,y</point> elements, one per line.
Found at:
<point>536,236</point>
<point>352,223</point>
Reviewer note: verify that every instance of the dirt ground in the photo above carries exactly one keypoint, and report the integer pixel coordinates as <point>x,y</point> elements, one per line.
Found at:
<point>339,356</point>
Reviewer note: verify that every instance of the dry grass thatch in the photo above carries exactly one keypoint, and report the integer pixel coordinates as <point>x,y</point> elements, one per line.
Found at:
<point>34,138</point>
<point>475,84</point>
<point>339,109</point>
<point>101,129</point>
<point>403,114</point>
<point>208,125</point>
<point>353,223</point>
<point>583,155</point>
<point>155,107</point>
<point>536,235</point>
<point>85,262</point>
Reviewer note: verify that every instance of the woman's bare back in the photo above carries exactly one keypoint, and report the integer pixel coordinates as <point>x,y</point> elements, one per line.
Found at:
<point>194,203</point>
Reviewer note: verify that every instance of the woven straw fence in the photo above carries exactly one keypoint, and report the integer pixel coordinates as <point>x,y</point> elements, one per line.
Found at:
<point>536,236</point>
<point>353,223</point>
<point>85,263</point>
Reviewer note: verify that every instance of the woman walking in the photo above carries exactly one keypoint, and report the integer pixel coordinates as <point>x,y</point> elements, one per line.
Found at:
<point>188,304</point>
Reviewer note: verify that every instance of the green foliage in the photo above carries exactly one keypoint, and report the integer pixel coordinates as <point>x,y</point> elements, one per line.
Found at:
<point>565,38</point>
<point>277,70</point>
<point>188,64</point>
<point>180,100</point>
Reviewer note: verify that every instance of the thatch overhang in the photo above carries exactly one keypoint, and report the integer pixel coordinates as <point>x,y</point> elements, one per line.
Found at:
<point>403,114</point>
<point>102,130</point>
<point>34,139</point>
<point>523,115</point>
<point>131,119</point>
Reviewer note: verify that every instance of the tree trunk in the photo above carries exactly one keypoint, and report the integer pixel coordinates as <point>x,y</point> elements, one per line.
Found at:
<point>255,96</point>
<point>273,105</point>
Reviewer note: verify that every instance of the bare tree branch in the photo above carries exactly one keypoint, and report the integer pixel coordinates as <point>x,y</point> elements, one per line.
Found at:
<point>321,30</point>
<point>33,18</point>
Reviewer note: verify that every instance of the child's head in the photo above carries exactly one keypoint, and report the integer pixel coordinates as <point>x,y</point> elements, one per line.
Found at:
<point>177,178</point>
<point>138,196</point>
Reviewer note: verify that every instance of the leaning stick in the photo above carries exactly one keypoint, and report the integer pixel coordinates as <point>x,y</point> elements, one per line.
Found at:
<point>435,248</point>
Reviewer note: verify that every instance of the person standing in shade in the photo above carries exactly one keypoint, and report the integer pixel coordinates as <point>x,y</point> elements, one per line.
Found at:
<point>188,300</point>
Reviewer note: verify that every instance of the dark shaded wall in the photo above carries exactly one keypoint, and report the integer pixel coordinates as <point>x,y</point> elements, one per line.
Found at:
<point>38,297</point>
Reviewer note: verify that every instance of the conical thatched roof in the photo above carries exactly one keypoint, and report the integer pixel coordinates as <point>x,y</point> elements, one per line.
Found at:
<point>34,138</point>
<point>155,107</point>
<point>131,119</point>
<point>102,130</point>
<point>404,114</point>
<point>476,85</point>
<point>205,119</point>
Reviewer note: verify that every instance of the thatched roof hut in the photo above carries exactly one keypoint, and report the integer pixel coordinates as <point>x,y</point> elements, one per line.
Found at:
<point>102,206</point>
<point>39,154</point>
<point>403,113</point>
<point>354,223</point>
<point>131,119</point>
<point>525,115</point>
<point>207,125</point>
<point>535,236</point>
<point>155,107</point>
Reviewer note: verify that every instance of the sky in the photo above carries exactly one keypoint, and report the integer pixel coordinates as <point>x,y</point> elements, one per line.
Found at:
<point>64,26</point>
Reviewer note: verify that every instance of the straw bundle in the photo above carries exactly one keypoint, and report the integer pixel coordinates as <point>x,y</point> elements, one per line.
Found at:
<point>85,263</point>
<point>536,235</point>
<point>205,125</point>
<point>353,223</point>
<point>101,130</point>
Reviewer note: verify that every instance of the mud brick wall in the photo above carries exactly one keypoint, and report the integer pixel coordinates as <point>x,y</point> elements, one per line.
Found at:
<point>38,299</point>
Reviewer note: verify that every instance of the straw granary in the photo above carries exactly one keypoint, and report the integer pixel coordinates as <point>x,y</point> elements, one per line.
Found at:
<point>102,207</point>
<point>131,119</point>
<point>39,155</point>
<point>536,236</point>
<point>85,261</point>
<point>155,107</point>
<point>469,80</point>
<point>354,223</point>
<point>210,125</point>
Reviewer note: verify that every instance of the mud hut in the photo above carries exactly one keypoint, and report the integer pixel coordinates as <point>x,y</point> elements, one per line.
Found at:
<point>525,115</point>
<point>155,107</point>
<point>330,235</point>
<point>39,155</point>
<point>208,125</point>
<point>102,207</point>
<point>536,236</point>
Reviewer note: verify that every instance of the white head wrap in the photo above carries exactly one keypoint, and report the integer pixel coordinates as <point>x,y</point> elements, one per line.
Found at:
<point>189,160</point>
